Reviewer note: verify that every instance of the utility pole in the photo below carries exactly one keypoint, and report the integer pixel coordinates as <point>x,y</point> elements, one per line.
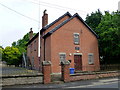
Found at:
<point>39,31</point>
<point>119,6</point>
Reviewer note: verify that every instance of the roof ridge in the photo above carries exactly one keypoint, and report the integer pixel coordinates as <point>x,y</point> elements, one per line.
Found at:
<point>47,26</point>
<point>64,22</point>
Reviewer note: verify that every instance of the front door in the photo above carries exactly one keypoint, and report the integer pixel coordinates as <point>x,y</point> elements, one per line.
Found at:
<point>78,62</point>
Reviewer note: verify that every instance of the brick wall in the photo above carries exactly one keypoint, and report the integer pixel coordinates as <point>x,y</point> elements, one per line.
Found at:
<point>32,52</point>
<point>46,72</point>
<point>74,77</point>
<point>21,79</point>
<point>62,41</point>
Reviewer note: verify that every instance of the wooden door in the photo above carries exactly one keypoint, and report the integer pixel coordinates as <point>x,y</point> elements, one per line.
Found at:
<point>78,62</point>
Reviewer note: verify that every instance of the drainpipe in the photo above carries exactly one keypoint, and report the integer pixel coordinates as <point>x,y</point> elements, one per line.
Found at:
<point>44,47</point>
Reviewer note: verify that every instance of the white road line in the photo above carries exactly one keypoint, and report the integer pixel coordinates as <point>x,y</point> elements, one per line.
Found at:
<point>95,84</point>
<point>115,79</point>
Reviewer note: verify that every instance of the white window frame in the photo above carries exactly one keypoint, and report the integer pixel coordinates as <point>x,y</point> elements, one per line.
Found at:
<point>76,36</point>
<point>90,58</point>
<point>60,56</point>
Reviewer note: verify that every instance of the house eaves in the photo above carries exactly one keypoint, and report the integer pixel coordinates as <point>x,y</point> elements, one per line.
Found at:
<point>33,39</point>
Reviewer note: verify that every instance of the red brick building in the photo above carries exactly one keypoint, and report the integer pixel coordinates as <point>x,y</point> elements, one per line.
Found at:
<point>66,38</point>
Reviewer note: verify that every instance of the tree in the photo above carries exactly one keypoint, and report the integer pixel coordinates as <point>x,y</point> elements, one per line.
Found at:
<point>14,44</point>
<point>11,55</point>
<point>94,19</point>
<point>1,47</point>
<point>21,43</point>
<point>108,29</point>
<point>109,32</point>
<point>1,52</point>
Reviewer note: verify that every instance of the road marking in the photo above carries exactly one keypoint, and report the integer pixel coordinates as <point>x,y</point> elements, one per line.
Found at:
<point>94,84</point>
<point>102,82</point>
<point>109,80</point>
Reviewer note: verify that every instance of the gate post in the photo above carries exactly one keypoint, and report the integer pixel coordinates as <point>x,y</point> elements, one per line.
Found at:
<point>65,71</point>
<point>46,72</point>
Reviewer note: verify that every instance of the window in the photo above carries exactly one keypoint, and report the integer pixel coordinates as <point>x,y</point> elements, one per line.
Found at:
<point>90,58</point>
<point>62,57</point>
<point>76,38</point>
<point>34,45</point>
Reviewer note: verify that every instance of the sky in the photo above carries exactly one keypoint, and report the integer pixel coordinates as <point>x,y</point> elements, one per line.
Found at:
<point>18,16</point>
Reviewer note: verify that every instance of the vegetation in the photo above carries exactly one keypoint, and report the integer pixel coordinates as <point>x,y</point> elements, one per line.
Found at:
<point>1,52</point>
<point>11,55</point>
<point>108,28</point>
<point>20,44</point>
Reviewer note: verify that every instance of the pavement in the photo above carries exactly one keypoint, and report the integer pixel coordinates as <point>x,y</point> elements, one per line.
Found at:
<point>98,83</point>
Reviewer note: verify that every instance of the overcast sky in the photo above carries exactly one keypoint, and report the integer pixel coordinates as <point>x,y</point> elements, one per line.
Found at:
<point>18,16</point>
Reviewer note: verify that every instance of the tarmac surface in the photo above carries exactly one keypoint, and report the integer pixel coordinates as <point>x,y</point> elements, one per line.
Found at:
<point>98,83</point>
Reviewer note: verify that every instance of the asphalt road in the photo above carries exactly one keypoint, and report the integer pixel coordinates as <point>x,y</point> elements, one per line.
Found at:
<point>99,83</point>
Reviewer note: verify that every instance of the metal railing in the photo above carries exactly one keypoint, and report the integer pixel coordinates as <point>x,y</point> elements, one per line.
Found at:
<point>111,67</point>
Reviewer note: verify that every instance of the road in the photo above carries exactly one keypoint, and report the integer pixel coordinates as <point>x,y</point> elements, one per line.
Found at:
<point>99,83</point>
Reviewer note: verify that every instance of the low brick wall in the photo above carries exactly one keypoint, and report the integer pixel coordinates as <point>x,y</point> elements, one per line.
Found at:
<point>66,77</point>
<point>21,79</point>
<point>92,76</point>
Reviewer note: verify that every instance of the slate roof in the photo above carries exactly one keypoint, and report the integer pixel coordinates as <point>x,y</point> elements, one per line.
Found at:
<point>36,35</point>
<point>64,22</point>
<point>47,26</point>
<point>60,25</point>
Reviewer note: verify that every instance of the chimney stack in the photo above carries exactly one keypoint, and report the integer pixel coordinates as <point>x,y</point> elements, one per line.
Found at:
<point>44,18</point>
<point>30,34</point>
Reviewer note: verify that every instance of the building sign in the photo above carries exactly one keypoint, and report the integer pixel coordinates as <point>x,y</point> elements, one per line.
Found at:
<point>77,48</point>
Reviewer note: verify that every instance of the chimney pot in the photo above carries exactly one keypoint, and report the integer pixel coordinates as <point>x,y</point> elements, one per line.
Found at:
<point>30,34</point>
<point>44,18</point>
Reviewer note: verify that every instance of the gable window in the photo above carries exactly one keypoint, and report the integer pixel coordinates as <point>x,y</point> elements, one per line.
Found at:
<point>76,38</point>
<point>90,58</point>
<point>34,45</point>
<point>62,57</point>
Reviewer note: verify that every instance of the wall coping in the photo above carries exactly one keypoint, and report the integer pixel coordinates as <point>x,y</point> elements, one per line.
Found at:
<point>45,63</point>
<point>23,75</point>
<point>65,63</point>
<point>93,73</point>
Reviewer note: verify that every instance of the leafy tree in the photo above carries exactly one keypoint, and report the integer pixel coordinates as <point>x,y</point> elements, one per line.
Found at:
<point>20,46</point>
<point>21,43</point>
<point>94,19</point>
<point>14,44</point>
<point>108,28</point>
<point>11,55</point>
<point>1,52</point>
<point>1,47</point>
<point>109,32</point>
